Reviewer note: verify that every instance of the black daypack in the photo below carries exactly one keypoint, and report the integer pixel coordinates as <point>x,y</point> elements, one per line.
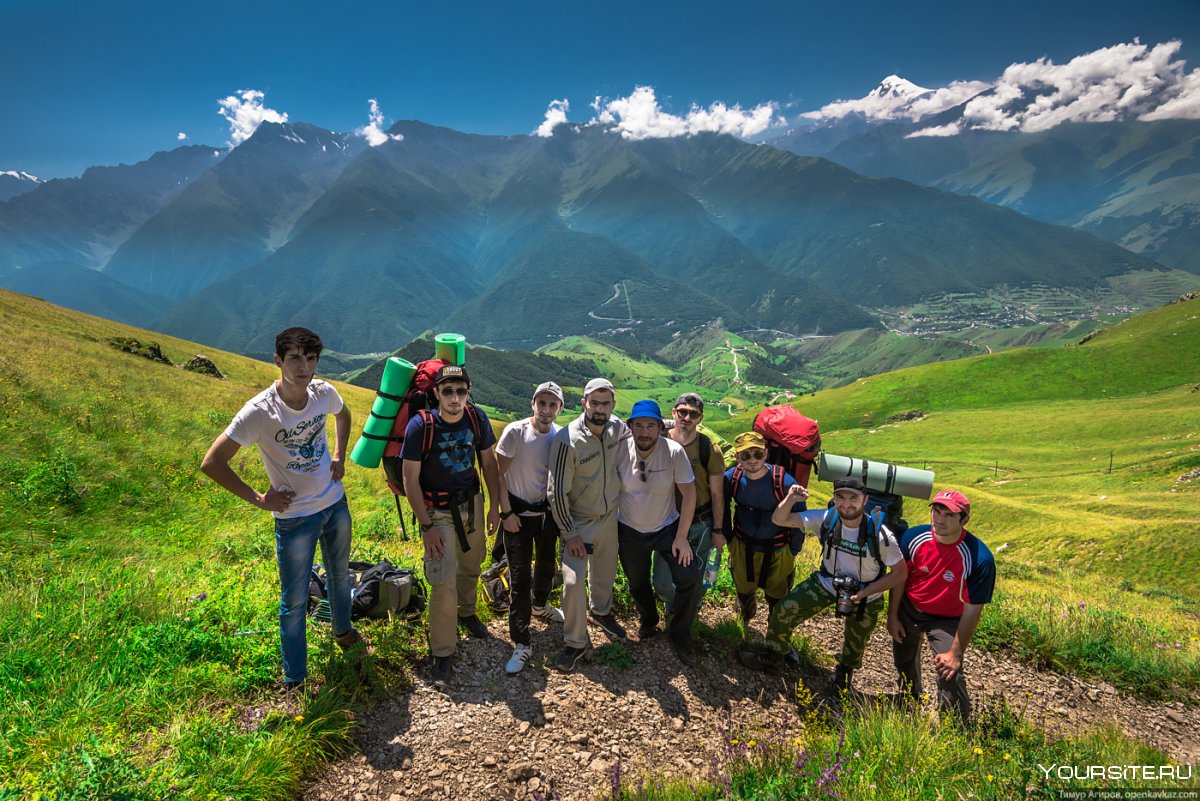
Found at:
<point>497,587</point>
<point>376,591</point>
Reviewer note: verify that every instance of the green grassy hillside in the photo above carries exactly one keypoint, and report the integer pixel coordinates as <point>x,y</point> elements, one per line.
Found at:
<point>1090,557</point>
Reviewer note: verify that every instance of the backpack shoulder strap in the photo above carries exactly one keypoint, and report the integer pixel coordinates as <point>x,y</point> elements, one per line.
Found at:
<point>876,519</point>
<point>427,434</point>
<point>736,478</point>
<point>706,449</point>
<point>476,423</point>
<point>829,524</point>
<point>777,474</point>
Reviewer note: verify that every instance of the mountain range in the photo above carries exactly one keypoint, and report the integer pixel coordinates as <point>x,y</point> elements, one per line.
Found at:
<point>1131,182</point>
<point>517,241</point>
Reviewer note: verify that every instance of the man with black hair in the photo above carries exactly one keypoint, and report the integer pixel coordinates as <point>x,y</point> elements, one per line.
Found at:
<point>707,531</point>
<point>859,559</point>
<point>287,422</point>
<point>439,455</point>
<point>951,575</point>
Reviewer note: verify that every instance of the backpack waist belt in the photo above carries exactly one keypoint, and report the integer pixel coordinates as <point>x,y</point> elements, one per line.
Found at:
<point>521,506</point>
<point>454,501</point>
<point>768,548</point>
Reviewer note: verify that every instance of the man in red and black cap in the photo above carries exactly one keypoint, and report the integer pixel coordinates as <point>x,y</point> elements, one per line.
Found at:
<point>440,450</point>
<point>951,575</point>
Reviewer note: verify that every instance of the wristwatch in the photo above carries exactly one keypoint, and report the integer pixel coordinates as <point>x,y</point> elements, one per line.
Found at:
<point>426,526</point>
<point>718,530</point>
<point>506,515</point>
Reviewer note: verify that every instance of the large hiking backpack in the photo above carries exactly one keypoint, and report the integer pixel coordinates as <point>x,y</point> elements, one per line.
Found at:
<point>376,591</point>
<point>873,518</point>
<point>793,440</point>
<point>715,439</point>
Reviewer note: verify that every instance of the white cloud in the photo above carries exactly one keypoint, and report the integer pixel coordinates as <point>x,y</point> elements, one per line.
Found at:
<point>947,97</point>
<point>245,112</point>
<point>181,136</point>
<point>556,114</point>
<point>373,131</point>
<point>1185,104</point>
<point>949,129</point>
<point>1112,83</point>
<point>639,116</point>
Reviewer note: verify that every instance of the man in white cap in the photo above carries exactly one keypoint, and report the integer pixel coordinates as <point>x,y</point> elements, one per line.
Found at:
<point>583,490</point>
<point>523,455</point>
<point>652,470</point>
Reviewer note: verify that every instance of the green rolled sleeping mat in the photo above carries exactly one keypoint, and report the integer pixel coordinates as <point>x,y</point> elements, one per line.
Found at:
<point>878,476</point>
<point>450,348</point>
<point>397,375</point>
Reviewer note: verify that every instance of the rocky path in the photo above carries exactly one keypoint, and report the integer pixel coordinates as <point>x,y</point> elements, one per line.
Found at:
<point>492,736</point>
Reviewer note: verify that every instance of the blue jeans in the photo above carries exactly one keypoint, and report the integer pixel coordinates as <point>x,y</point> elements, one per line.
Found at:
<point>295,545</point>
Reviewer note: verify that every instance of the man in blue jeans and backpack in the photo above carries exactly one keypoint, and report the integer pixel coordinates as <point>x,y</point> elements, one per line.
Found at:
<point>287,421</point>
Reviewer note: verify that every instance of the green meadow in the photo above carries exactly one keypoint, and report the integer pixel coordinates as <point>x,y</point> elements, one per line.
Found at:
<point>138,601</point>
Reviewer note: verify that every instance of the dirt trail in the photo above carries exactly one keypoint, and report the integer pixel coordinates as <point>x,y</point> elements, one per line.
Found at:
<point>491,736</point>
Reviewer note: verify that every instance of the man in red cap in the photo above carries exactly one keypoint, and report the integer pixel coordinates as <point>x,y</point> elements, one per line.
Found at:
<point>951,575</point>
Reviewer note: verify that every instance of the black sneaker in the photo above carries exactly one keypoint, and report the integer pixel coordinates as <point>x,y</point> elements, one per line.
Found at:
<point>609,625</point>
<point>569,658</point>
<point>792,658</point>
<point>842,677</point>
<point>352,639</point>
<point>647,629</point>
<point>443,670</point>
<point>474,627</point>
<point>684,651</point>
<point>766,661</point>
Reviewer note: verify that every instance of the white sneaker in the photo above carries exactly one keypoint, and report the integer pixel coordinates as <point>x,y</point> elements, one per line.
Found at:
<point>521,655</point>
<point>550,614</point>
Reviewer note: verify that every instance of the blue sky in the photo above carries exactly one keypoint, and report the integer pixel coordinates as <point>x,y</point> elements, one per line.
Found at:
<point>102,83</point>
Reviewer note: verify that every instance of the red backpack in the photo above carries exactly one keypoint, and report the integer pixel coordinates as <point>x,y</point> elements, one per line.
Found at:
<point>793,440</point>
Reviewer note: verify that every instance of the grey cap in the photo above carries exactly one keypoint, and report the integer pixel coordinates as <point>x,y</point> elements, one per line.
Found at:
<point>598,383</point>
<point>690,399</point>
<point>552,388</point>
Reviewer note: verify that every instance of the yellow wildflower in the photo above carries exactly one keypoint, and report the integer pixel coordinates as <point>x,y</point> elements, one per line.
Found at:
<point>978,751</point>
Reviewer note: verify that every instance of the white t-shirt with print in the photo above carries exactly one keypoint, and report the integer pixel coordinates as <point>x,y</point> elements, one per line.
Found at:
<point>529,451</point>
<point>649,505</point>
<point>293,445</point>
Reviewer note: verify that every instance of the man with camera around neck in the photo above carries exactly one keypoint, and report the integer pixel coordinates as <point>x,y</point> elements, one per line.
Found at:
<point>860,560</point>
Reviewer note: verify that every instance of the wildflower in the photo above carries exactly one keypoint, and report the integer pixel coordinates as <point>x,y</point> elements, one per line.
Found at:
<point>1178,645</point>
<point>752,743</point>
<point>733,742</point>
<point>1159,645</point>
<point>1083,604</point>
<point>1007,757</point>
<point>990,777</point>
<point>299,718</point>
<point>978,751</point>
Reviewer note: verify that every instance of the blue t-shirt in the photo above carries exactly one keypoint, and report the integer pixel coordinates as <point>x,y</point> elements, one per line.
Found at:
<point>755,504</point>
<point>450,464</point>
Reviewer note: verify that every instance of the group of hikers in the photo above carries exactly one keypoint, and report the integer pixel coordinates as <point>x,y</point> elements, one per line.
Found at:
<point>655,498</point>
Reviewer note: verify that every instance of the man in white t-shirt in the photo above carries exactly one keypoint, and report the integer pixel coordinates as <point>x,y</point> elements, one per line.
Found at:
<point>287,422</point>
<point>523,455</point>
<point>860,558</point>
<point>652,469</point>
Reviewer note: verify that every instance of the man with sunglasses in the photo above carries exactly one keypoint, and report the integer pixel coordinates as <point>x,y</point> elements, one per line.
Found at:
<point>856,549</point>
<point>439,453</point>
<point>760,556</point>
<point>582,491</point>
<point>708,466</point>
<point>653,470</point>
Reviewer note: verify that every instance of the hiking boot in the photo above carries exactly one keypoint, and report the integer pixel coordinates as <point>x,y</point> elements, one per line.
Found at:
<point>647,629</point>
<point>474,627</point>
<point>609,625</point>
<point>548,613</point>
<point>765,661</point>
<point>521,654</point>
<point>749,607</point>
<point>684,651</point>
<point>294,687</point>
<point>352,639</point>
<point>842,676</point>
<point>569,658</point>
<point>792,658</point>
<point>443,670</point>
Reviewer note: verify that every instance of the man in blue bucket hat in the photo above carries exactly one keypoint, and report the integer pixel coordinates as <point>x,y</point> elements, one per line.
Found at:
<point>652,468</point>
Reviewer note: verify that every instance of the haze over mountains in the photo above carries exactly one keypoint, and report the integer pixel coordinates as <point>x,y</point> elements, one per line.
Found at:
<point>638,234</point>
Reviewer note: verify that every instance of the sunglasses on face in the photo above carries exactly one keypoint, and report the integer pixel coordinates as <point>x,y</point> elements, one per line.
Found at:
<point>688,414</point>
<point>746,456</point>
<point>451,392</point>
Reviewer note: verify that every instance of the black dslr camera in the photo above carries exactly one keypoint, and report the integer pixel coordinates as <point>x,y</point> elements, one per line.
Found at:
<point>845,587</point>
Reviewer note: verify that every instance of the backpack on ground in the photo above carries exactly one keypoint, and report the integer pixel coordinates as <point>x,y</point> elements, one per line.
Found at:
<point>793,440</point>
<point>496,586</point>
<point>376,591</point>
